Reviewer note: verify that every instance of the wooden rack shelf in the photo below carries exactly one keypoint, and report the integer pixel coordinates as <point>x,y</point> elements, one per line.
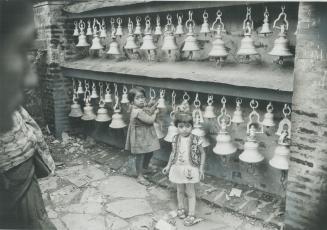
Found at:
<point>270,82</point>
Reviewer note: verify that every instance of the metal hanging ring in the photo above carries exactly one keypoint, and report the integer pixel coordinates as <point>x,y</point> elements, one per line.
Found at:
<point>186,97</point>
<point>286,110</point>
<point>254,104</point>
<point>205,15</point>
<point>210,99</point>
<point>239,101</point>
<point>270,107</point>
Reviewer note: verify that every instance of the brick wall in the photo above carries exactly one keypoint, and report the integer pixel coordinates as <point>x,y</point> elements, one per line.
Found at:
<point>306,193</point>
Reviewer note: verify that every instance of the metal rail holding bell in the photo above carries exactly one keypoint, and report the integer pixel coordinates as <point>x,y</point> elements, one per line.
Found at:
<point>198,120</point>
<point>169,42</point>
<point>218,51</point>
<point>96,44</point>
<point>281,154</point>
<point>76,110</point>
<point>172,129</point>
<point>205,26</point>
<point>82,37</point>
<point>190,43</point>
<point>179,28</point>
<point>251,152</point>
<point>265,30</point>
<point>224,146</point>
<point>148,43</point>
<point>247,48</point>
<point>237,115</point>
<point>281,48</point>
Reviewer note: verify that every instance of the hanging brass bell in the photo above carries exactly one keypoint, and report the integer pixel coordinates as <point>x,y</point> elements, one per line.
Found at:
<point>102,115</point>
<point>124,99</point>
<point>96,45</point>
<point>247,47</point>
<point>269,117</point>
<point>148,42</point>
<point>218,46</point>
<point>158,27</point>
<point>76,110</point>
<point>172,129</point>
<point>117,120</point>
<point>94,93</point>
<point>138,29</point>
<point>179,28</point>
<point>113,47</point>
<point>169,43</point>
<point>103,31</point>
<point>197,127</point>
<point>82,38</point>
<point>130,43</point>
<point>190,42</point>
<point>119,30</point>
<point>158,128</point>
<point>89,29</point>
<point>76,33</point>
<point>265,30</point>
<point>161,101</point>
<point>88,111</point>
<point>80,89</point>
<point>281,48</point>
<point>209,111</point>
<point>205,26</point>
<point>251,153</point>
<point>281,154</point>
<point>237,115</point>
<point>108,97</point>
<point>224,145</point>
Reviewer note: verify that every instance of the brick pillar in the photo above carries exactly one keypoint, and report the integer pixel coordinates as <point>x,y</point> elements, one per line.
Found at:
<point>49,21</point>
<point>306,198</point>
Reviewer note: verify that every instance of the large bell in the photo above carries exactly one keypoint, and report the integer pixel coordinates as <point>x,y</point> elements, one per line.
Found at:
<point>247,47</point>
<point>179,28</point>
<point>96,45</point>
<point>218,46</point>
<point>190,41</point>
<point>265,30</point>
<point>76,110</point>
<point>113,47</point>
<point>237,116</point>
<point>102,115</point>
<point>169,43</point>
<point>130,43</point>
<point>282,151</point>
<point>158,128</point>
<point>82,40</point>
<point>269,117</point>
<point>88,112</point>
<point>89,29</point>
<point>158,27</point>
<point>148,43</point>
<point>281,48</point>
<point>117,120</point>
<point>251,153</point>
<point>205,26</point>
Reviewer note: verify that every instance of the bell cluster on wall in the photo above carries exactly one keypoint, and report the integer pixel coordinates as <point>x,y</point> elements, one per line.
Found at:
<point>218,52</point>
<point>224,144</point>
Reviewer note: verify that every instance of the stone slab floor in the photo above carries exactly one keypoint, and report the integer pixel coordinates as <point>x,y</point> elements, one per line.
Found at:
<point>85,195</point>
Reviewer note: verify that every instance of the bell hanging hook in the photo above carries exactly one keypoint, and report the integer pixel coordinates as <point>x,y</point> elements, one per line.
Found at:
<point>197,102</point>
<point>218,22</point>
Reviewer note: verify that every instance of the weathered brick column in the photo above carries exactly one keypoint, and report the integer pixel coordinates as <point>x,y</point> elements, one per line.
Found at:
<point>307,180</point>
<point>49,20</point>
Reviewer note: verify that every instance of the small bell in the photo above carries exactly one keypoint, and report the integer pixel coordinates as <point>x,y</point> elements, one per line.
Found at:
<point>237,116</point>
<point>172,129</point>
<point>265,30</point>
<point>113,47</point>
<point>119,31</point>
<point>285,121</point>
<point>124,99</point>
<point>218,50</point>
<point>247,44</point>
<point>282,152</point>
<point>161,101</point>
<point>190,44</point>
<point>76,33</point>
<point>96,45</point>
<point>281,48</point>
<point>179,28</point>
<point>251,153</point>
<point>89,29</point>
<point>76,110</point>
<point>138,29</point>
<point>269,116</point>
<point>209,111</point>
<point>102,115</point>
<point>88,111</point>
<point>107,96</point>
<point>80,88</point>
<point>205,26</point>
<point>130,41</point>
<point>103,31</point>
<point>158,27</point>
<point>117,119</point>
<point>94,93</point>
<point>82,38</point>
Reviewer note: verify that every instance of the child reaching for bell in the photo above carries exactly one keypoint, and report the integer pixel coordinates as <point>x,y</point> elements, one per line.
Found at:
<point>142,139</point>
<point>186,165</point>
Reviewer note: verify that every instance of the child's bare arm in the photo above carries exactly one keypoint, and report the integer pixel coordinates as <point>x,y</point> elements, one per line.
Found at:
<point>203,160</point>
<point>166,169</point>
<point>147,118</point>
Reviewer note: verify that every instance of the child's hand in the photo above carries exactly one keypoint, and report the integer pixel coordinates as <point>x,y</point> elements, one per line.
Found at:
<point>201,174</point>
<point>165,170</point>
<point>156,111</point>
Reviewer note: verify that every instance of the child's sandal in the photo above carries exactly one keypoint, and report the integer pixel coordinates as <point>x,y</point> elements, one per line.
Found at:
<point>189,221</point>
<point>181,213</point>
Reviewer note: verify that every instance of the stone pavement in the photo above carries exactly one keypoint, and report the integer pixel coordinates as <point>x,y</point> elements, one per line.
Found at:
<point>84,194</point>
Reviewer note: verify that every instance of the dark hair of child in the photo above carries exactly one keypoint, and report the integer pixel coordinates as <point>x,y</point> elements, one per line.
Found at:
<point>183,117</point>
<point>132,92</point>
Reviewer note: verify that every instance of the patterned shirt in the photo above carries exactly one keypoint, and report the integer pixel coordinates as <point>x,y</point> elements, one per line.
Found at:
<point>22,142</point>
